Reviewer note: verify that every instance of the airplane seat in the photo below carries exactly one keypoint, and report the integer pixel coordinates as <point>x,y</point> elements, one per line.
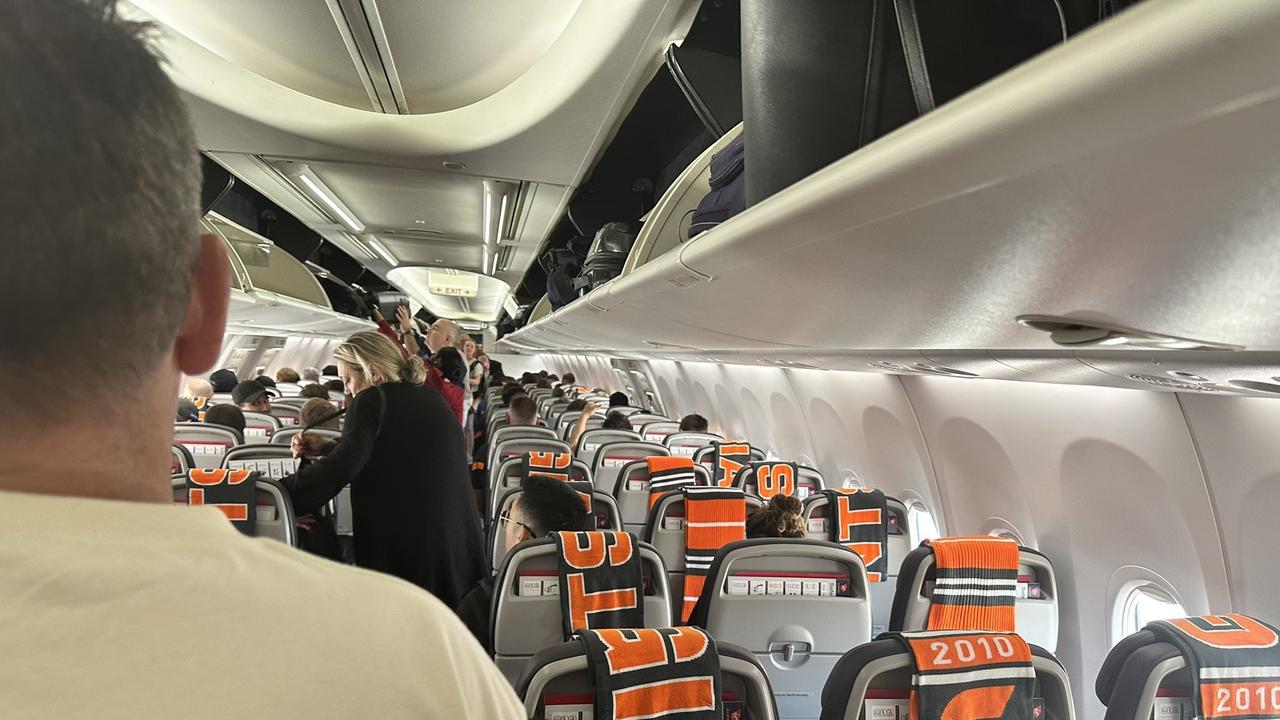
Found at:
<point>288,389</point>
<point>1208,666</point>
<point>627,410</point>
<point>287,414</point>
<point>687,444</point>
<point>497,419</point>
<point>631,490</point>
<point>798,605</point>
<point>337,397</point>
<point>526,616</point>
<point>329,378</point>
<point>269,461</point>
<point>707,455</point>
<point>538,393</point>
<point>604,512</point>
<point>610,458</point>
<point>875,680</point>
<point>657,431</point>
<point>593,439</point>
<point>640,419</point>
<point>259,427</point>
<point>806,483</point>
<point>516,447</point>
<point>511,464</point>
<point>507,432</point>
<point>559,682</point>
<point>1035,604</point>
<point>221,399</point>
<point>182,461</point>
<point>552,414</point>
<point>565,422</point>
<point>206,442</point>
<point>284,436</point>
<point>897,545</point>
<point>667,531</point>
<point>273,515</point>
<point>596,422</point>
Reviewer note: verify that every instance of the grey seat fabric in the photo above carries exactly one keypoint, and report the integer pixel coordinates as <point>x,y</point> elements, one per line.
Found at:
<point>286,414</point>
<point>640,419</point>
<point>566,429</point>
<point>881,671</point>
<point>658,430</point>
<point>686,444</point>
<point>798,605</point>
<point>508,474</point>
<point>206,442</point>
<point>181,461</point>
<point>525,624</point>
<point>274,511</point>
<point>631,490</point>
<point>284,436</point>
<point>603,507</point>
<point>627,410</point>
<point>510,432</point>
<point>897,545</point>
<point>517,447</point>
<point>592,440</point>
<point>703,455</point>
<point>288,389</point>
<point>561,671</point>
<point>269,461</point>
<point>808,482</point>
<point>259,427</point>
<point>664,530</point>
<point>1036,619</point>
<point>610,459</point>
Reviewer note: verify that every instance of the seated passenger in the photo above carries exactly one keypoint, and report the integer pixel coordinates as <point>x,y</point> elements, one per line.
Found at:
<point>568,380</point>
<point>781,517</point>
<point>198,388</point>
<point>287,374</point>
<point>544,384</point>
<point>329,371</point>
<point>521,412</point>
<point>558,393</point>
<point>269,383</point>
<point>226,416</point>
<point>310,374</point>
<point>544,506</point>
<point>616,421</point>
<point>335,386</point>
<point>588,410</point>
<point>512,391</point>
<point>223,380</point>
<point>187,411</point>
<point>114,602</point>
<point>693,423</point>
<point>315,390</point>
<point>251,396</point>
<point>578,405</point>
<point>317,413</point>
<point>619,399</point>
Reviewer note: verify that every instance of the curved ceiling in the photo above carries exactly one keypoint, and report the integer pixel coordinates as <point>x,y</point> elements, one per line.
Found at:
<point>435,56</point>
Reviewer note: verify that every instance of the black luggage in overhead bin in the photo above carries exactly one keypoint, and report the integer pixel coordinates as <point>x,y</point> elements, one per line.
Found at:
<point>606,257</point>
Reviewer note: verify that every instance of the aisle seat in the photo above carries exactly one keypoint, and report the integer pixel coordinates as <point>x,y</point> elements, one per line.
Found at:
<point>206,442</point>
<point>604,516</point>
<point>611,458</point>
<point>510,473</point>
<point>259,427</point>
<point>274,517</point>
<point>631,490</point>
<point>593,439</point>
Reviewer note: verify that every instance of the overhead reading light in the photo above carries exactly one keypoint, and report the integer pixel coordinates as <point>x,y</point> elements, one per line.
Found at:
<point>381,250</point>
<point>499,218</point>
<point>315,188</point>
<point>1082,333</point>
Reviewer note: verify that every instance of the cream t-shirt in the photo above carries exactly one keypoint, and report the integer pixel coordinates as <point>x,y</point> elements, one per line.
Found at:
<point>114,609</point>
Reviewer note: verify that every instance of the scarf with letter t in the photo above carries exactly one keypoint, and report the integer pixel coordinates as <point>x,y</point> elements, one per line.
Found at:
<point>654,673</point>
<point>858,518</point>
<point>600,580</point>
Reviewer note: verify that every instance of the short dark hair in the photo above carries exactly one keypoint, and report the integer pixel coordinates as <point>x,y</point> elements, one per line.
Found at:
<point>568,379</point>
<point>226,416</point>
<point>551,506</point>
<point>575,405</point>
<point>616,421</point>
<point>557,393</point>
<point>544,383</point>
<point>314,390</point>
<point>335,385</point>
<point>330,370</point>
<point>693,423</point>
<point>511,392</point>
<point>619,399</point>
<point>101,181</point>
<point>522,410</point>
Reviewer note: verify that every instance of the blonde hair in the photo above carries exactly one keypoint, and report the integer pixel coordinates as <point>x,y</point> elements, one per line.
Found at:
<point>371,350</point>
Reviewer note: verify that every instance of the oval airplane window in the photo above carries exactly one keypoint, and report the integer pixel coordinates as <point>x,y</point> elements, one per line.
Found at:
<point>1142,602</point>
<point>920,523</point>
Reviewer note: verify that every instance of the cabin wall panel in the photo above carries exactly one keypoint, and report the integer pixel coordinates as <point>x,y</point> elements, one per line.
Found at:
<point>1101,478</point>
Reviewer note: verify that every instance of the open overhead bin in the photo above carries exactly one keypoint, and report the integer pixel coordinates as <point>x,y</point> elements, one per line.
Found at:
<point>272,292</point>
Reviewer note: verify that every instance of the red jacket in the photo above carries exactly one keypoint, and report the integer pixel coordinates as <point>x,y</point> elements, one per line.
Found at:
<point>452,393</point>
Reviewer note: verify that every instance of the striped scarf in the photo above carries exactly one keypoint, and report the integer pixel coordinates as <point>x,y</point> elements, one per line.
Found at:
<point>858,518</point>
<point>969,675</point>
<point>977,583</point>
<point>667,474</point>
<point>1234,661</point>
<point>714,517</point>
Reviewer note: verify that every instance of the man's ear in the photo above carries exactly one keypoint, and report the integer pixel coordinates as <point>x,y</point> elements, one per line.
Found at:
<point>200,336</point>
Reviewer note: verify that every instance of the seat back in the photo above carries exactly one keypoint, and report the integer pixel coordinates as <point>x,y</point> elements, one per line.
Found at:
<point>611,458</point>
<point>658,430</point>
<point>1228,662</point>
<point>537,394</point>
<point>640,419</point>
<point>627,410</point>
<point>509,432</point>
<point>284,436</point>
<point>259,427</point>
<point>287,414</point>
<point>897,545</point>
<point>631,490</point>
<point>1035,609</point>
<point>557,683</point>
<point>274,517</point>
<point>595,422</point>
<point>687,444</point>
<point>544,405</point>
<point>554,410</point>
<point>221,399</point>
<point>808,481</point>
<point>593,439</point>
<point>207,443</point>
<point>798,605</point>
<point>603,507</point>
<point>270,461</point>
<point>518,444</point>
<point>665,531</point>
<point>182,461</point>
<point>288,389</point>
<point>526,614</point>
<point>706,456</point>
<point>497,419</point>
<point>507,473</point>
<point>874,681</point>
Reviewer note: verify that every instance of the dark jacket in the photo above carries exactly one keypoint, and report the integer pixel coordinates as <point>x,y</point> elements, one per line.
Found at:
<point>476,610</point>
<point>413,512</point>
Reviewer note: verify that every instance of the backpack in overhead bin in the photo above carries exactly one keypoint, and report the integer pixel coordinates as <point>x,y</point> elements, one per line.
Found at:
<point>562,267</point>
<point>728,194</point>
<point>606,257</point>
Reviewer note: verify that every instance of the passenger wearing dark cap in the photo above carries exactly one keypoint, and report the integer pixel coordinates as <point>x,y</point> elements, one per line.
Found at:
<point>619,399</point>
<point>223,380</point>
<point>329,371</point>
<point>187,411</point>
<point>250,395</point>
